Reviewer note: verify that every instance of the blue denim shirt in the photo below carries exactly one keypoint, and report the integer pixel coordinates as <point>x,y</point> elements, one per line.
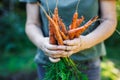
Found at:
<point>86,8</point>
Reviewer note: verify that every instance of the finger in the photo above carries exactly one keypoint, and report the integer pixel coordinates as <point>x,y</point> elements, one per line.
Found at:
<point>64,48</point>
<point>51,53</point>
<point>57,55</point>
<point>56,47</point>
<point>54,60</point>
<point>66,53</point>
<point>69,53</point>
<point>74,51</point>
<point>68,48</point>
<point>70,42</point>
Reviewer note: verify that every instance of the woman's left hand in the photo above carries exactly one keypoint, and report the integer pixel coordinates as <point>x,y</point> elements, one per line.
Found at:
<point>77,44</point>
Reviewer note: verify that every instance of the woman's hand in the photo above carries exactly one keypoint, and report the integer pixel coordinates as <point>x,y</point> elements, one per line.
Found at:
<point>54,51</point>
<point>77,44</point>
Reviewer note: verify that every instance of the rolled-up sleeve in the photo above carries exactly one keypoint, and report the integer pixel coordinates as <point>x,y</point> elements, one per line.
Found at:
<point>29,1</point>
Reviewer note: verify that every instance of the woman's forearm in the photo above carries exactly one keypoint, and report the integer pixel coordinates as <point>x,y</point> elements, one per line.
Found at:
<point>107,27</point>
<point>35,34</point>
<point>104,31</point>
<point>33,26</point>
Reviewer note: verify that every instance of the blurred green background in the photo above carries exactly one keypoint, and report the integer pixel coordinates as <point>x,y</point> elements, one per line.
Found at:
<point>17,52</point>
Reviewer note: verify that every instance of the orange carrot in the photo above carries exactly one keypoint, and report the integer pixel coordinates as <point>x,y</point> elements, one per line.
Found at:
<point>78,31</point>
<point>52,34</point>
<point>58,30</point>
<point>62,26</point>
<point>56,27</point>
<point>71,34</point>
<point>65,37</point>
<point>56,13</point>
<point>74,21</point>
<point>79,21</point>
<point>59,21</point>
<point>54,18</point>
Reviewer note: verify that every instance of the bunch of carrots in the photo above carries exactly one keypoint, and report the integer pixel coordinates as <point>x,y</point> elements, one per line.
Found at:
<point>57,34</point>
<point>57,29</point>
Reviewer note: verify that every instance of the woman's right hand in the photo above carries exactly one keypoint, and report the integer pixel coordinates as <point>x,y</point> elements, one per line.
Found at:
<point>54,52</point>
<point>49,49</point>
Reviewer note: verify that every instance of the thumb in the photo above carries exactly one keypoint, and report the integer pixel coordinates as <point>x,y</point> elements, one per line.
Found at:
<point>54,60</point>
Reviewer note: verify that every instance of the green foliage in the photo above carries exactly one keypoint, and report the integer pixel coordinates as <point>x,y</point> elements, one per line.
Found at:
<point>15,48</point>
<point>12,33</point>
<point>118,9</point>
<point>13,63</point>
<point>113,53</point>
<point>65,69</point>
<point>109,71</point>
<point>10,30</point>
<point>111,65</point>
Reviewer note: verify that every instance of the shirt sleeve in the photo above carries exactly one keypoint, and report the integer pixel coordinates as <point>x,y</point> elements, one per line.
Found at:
<point>29,1</point>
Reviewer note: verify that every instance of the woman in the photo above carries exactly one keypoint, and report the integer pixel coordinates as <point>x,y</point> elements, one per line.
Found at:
<point>85,50</point>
